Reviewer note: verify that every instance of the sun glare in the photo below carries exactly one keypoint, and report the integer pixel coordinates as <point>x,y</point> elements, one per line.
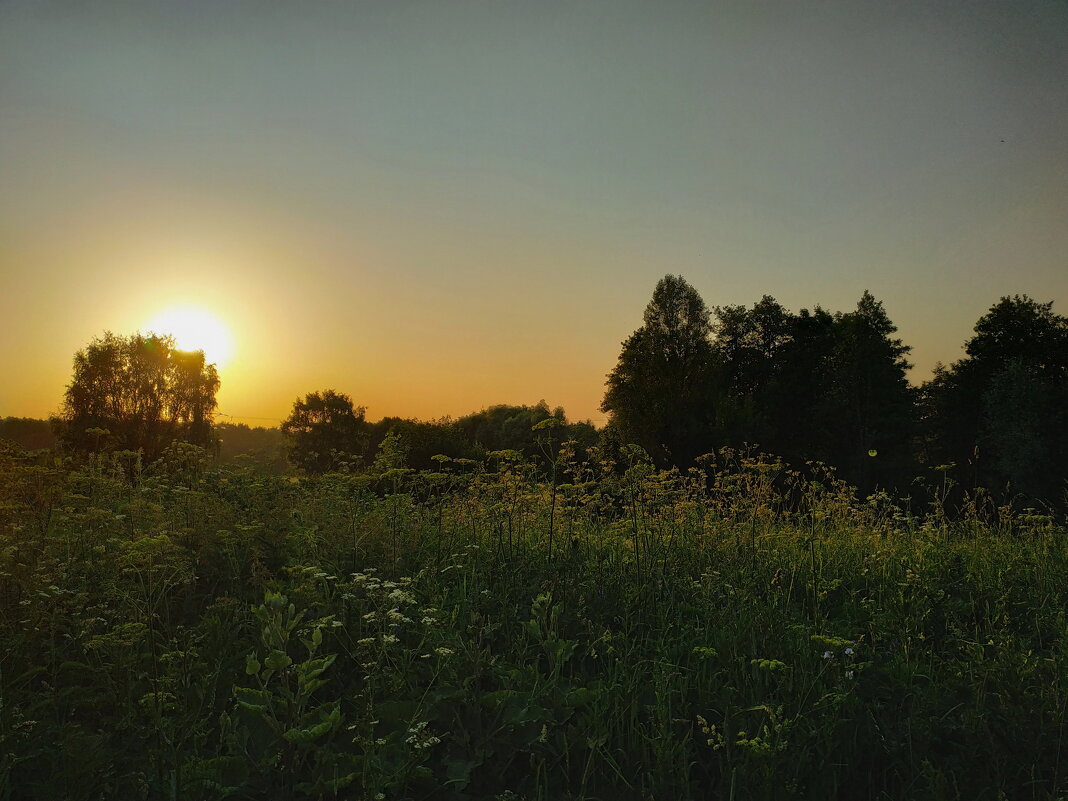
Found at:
<point>194,328</point>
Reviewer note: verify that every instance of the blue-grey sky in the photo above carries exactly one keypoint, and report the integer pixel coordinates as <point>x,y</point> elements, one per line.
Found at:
<point>437,205</point>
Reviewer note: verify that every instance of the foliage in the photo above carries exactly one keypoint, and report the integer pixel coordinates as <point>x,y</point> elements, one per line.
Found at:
<point>504,427</point>
<point>422,440</point>
<point>571,628</point>
<point>33,435</point>
<point>999,413</point>
<point>659,395</point>
<point>264,446</point>
<point>138,393</point>
<point>808,386</point>
<point>324,430</point>
<point>865,403</point>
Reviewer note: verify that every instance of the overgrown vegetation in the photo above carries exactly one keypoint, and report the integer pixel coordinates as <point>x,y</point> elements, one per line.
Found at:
<point>577,629</point>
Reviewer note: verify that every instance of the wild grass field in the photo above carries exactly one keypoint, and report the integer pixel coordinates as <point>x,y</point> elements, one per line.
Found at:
<point>570,629</point>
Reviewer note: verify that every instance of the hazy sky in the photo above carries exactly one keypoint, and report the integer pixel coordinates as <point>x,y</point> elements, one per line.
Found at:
<point>435,206</point>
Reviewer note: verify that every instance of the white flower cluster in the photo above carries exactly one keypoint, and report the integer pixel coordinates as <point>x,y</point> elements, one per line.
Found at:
<point>848,653</point>
<point>395,617</point>
<point>420,738</point>
<point>401,597</point>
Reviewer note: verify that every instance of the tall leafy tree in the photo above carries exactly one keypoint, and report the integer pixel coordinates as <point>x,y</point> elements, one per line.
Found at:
<point>751,345</point>
<point>325,429</point>
<point>817,385</point>
<point>660,395</point>
<point>505,427</point>
<point>999,414</point>
<point>866,408</point>
<point>794,397</point>
<point>138,392</point>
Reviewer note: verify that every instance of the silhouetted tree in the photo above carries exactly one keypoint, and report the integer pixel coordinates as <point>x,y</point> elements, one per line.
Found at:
<point>142,391</point>
<point>505,427</point>
<point>817,386</point>
<point>751,344</point>
<point>1021,431</point>
<point>264,447</point>
<point>794,396</point>
<point>422,440</point>
<point>31,434</point>
<point>1000,413</point>
<point>660,394</point>
<point>866,409</point>
<point>325,430</point>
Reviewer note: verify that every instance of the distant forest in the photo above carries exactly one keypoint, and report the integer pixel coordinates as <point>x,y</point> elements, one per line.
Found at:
<point>811,386</point>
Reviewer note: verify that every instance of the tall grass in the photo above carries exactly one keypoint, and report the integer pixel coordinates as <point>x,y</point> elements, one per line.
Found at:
<point>738,631</point>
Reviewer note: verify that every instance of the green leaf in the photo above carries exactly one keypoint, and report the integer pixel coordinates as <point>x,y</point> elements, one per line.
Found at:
<point>255,700</point>
<point>278,660</point>
<point>252,665</point>
<point>312,733</point>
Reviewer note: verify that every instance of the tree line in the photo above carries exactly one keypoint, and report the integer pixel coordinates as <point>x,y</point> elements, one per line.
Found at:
<point>326,431</point>
<point>832,387</point>
<point>808,386</point>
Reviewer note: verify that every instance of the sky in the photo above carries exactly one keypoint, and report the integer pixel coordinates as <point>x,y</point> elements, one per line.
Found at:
<point>439,205</point>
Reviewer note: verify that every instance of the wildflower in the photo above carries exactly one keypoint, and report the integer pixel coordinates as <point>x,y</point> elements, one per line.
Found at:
<point>442,651</point>
<point>371,617</point>
<point>365,641</point>
<point>826,654</point>
<point>849,674</point>
<point>420,738</point>
<point>848,652</point>
<point>428,620</point>
<point>401,597</point>
<point>712,736</point>
<point>390,639</point>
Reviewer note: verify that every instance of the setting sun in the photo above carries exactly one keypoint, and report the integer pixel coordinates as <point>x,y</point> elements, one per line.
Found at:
<point>194,328</point>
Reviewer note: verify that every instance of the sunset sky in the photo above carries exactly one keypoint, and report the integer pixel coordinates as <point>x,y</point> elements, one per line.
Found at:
<point>439,205</point>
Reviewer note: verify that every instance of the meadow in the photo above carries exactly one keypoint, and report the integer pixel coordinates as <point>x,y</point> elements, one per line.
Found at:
<point>571,628</point>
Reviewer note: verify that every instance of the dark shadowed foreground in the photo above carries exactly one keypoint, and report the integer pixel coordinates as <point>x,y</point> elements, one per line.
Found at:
<point>483,631</point>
